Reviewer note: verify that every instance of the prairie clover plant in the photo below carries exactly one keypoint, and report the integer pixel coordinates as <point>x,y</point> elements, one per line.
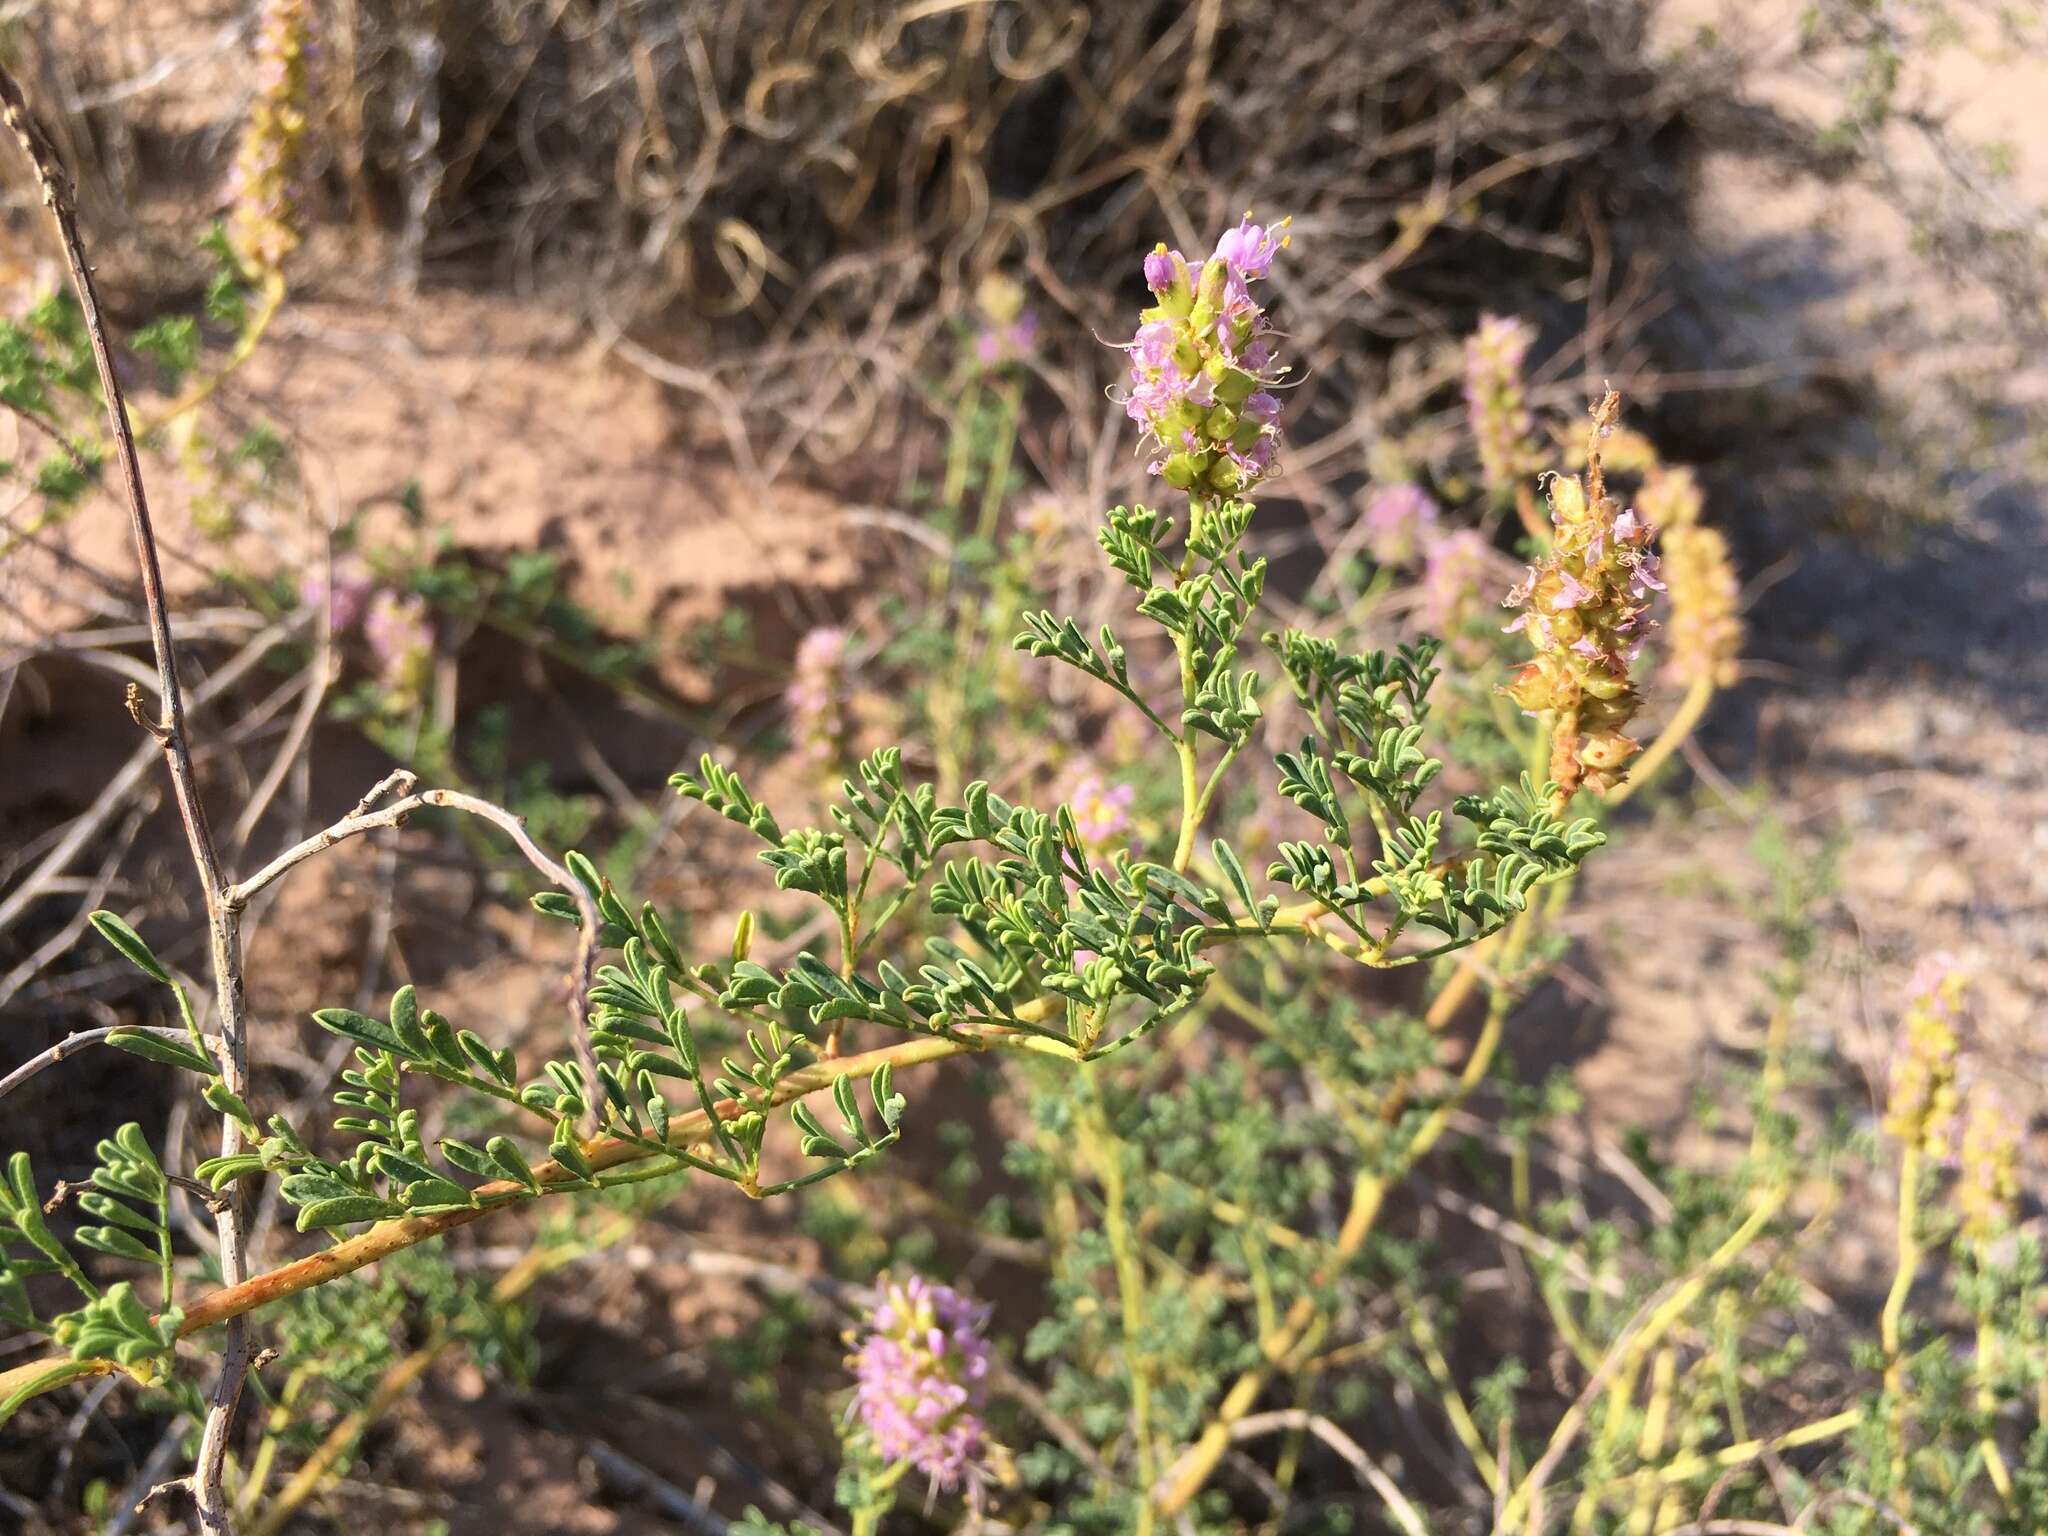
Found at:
<point>1035,944</point>
<point>1218,1239</point>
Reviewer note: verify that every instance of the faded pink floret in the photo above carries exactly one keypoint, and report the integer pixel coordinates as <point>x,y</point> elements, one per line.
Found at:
<point>401,636</point>
<point>1935,987</point>
<point>816,697</point>
<point>1102,812</point>
<point>1622,568</point>
<point>1010,343</point>
<point>1454,573</point>
<point>921,1383</point>
<point>347,600</point>
<point>1400,522</point>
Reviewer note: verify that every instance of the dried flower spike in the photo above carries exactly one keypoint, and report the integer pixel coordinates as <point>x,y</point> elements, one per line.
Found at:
<point>921,1374</point>
<point>1585,613</point>
<point>1988,1183</point>
<point>1704,629</point>
<point>263,195</point>
<point>1203,364</point>
<point>1922,1105</point>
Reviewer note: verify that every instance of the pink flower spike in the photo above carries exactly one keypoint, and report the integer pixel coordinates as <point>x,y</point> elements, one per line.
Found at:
<point>919,1378</point>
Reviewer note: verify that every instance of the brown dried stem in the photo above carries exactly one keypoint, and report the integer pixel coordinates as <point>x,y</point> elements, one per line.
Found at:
<point>222,926</point>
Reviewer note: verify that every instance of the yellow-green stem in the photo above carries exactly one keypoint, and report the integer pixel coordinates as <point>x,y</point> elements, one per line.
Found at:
<point>279,1421</point>
<point>1629,1352</point>
<point>267,306</point>
<point>1106,1153</point>
<point>867,1520</point>
<point>1650,1445</point>
<point>998,467</point>
<point>961,450</point>
<point>1455,1408</point>
<point>1987,1404</point>
<point>1191,805</point>
<point>1891,1320</point>
<point>1695,1464</point>
<point>1368,1196</point>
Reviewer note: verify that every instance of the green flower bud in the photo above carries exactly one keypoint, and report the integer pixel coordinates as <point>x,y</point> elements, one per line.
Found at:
<point>1233,385</point>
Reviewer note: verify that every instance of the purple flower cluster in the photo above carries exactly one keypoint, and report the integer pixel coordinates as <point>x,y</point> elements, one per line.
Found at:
<point>921,1383</point>
<point>1203,365</point>
<point>1400,523</point>
<point>396,626</point>
<point>1007,332</point>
